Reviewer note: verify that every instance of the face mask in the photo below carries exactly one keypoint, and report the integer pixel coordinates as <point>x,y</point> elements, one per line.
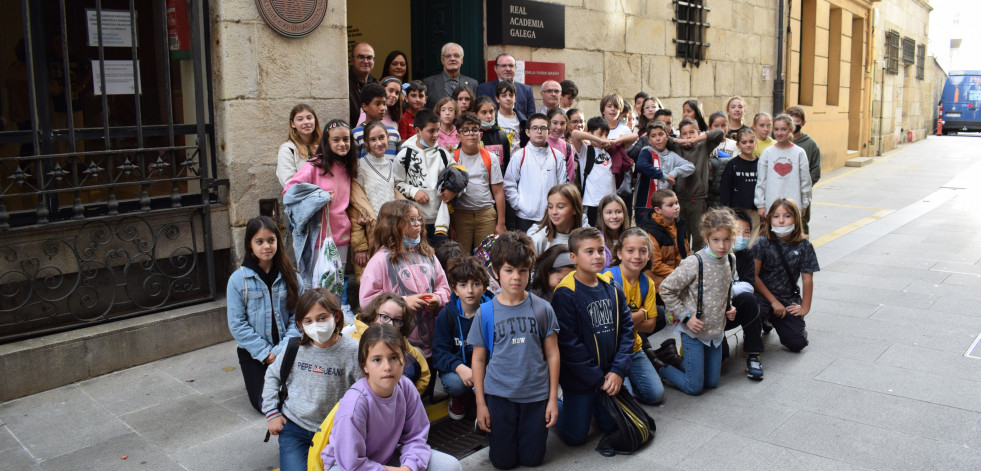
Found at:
<point>712,253</point>
<point>320,332</point>
<point>783,231</point>
<point>797,129</point>
<point>741,243</point>
<point>485,124</point>
<point>422,143</point>
<point>411,243</point>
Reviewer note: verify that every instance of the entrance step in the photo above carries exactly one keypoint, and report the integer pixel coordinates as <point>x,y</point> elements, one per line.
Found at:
<point>858,162</point>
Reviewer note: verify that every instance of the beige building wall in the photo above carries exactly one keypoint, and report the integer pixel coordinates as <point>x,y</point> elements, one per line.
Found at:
<point>259,76</point>
<point>625,46</point>
<point>907,110</point>
<point>828,74</point>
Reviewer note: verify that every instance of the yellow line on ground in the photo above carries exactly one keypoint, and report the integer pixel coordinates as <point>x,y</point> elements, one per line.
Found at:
<point>437,411</point>
<point>913,168</point>
<point>839,205</point>
<point>850,228</point>
<point>836,177</point>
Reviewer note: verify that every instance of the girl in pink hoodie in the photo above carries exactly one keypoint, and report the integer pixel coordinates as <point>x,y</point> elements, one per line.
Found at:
<point>407,265</point>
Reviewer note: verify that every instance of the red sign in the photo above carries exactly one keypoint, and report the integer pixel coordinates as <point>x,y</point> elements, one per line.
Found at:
<point>532,73</point>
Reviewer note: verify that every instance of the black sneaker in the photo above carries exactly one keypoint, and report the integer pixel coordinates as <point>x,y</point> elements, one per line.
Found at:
<point>754,367</point>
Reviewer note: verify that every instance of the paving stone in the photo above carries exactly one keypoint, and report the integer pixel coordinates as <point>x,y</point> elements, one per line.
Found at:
<point>966,307</point>
<point>932,421</point>
<point>753,417</point>
<point>868,446</point>
<point>849,266</point>
<point>822,305</point>
<point>929,360</point>
<point>7,441</point>
<point>844,345</point>
<point>807,363</point>
<point>926,335</point>
<point>59,421</point>
<point>941,320</point>
<point>866,280</point>
<point>241,449</point>
<point>108,456</point>
<point>204,371</point>
<point>19,459</point>
<point>733,451</point>
<point>841,292</point>
<point>947,290</point>
<point>959,268</point>
<point>933,388</point>
<point>133,389</point>
<point>890,260</point>
<point>240,405</point>
<point>182,423</point>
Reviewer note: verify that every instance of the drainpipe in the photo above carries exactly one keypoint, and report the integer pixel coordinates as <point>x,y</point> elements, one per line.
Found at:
<point>778,74</point>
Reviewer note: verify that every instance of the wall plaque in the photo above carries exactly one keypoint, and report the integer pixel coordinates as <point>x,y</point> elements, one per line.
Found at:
<point>292,18</point>
<point>526,23</point>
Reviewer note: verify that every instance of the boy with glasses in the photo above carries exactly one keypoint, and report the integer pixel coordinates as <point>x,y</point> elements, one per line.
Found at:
<point>533,170</point>
<point>479,210</point>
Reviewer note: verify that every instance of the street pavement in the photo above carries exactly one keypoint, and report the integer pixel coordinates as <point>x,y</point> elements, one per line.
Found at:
<point>886,383</point>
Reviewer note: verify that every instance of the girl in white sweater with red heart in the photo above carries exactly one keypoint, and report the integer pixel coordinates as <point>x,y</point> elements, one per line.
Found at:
<point>782,170</point>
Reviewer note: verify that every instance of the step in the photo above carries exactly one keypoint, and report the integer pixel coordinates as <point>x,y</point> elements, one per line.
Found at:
<point>858,162</point>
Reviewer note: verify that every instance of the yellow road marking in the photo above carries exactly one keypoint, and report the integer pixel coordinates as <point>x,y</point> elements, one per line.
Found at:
<point>912,168</point>
<point>836,177</point>
<point>851,227</point>
<point>437,411</point>
<point>839,205</point>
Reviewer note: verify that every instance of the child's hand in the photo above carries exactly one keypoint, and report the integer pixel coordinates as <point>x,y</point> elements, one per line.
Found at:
<point>731,313</point>
<point>415,302</point>
<point>361,258</point>
<point>422,197</point>
<point>762,213</point>
<point>276,424</point>
<point>483,418</point>
<point>796,310</point>
<point>612,383</point>
<point>695,325</point>
<point>551,413</point>
<point>500,229</point>
<point>362,221</point>
<point>432,301</point>
<point>465,374</point>
<point>270,358</point>
<point>671,179</point>
<point>447,195</point>
<point>778,309</point>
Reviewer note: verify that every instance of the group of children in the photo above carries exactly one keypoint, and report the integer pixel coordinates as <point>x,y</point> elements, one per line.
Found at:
<point>549,270</point>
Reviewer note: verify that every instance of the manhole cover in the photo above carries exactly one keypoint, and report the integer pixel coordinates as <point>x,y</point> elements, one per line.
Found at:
<point>456,437</point>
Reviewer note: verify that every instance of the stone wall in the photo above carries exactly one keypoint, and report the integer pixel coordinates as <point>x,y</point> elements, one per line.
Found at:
<point>259,77</point>
<point>625,46</point>
<point>906,101</point>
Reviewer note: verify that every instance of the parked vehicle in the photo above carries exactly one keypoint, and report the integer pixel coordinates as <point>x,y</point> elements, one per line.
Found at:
<point>960,102</point>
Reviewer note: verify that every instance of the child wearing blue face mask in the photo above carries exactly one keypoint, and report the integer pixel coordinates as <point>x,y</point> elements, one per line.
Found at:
<point>407,265</point>
<point>747,313</point>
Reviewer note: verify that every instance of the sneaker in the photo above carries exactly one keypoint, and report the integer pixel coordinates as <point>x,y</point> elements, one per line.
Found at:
<point>457,408</point>
<point>767,326</point>
<point>754,367</point>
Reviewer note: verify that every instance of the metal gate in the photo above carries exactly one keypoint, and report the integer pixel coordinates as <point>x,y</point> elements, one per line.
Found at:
<point>106,164</point>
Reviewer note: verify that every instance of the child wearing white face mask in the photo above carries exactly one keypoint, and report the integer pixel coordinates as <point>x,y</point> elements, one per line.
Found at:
<point>324,367</point>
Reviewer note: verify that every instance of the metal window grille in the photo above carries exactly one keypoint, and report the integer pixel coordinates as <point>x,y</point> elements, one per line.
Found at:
<point>920,60</point>
<point>689,18</point>
<point>892,52</point>
<point>104,203</point>
<point>909,51</point>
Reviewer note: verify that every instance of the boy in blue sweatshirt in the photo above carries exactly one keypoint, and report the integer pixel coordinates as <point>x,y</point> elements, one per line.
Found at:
<point>452,354</point>
<point>595,338</point>
<point>515,360</point>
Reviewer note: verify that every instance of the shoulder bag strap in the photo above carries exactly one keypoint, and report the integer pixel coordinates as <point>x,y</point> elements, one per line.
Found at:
<point>698,309</point>
<point>487,326</point>
<point>786,267</point>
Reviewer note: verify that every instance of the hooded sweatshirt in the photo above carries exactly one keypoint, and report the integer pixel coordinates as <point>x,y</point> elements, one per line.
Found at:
<point>653,167</point>
<point>813,156</point>
<point>670,244</point>
<point>495,141</point>
<point>418,168</point>
<point>697,184</point>
<point>530,175</point>
<point>450,347</point>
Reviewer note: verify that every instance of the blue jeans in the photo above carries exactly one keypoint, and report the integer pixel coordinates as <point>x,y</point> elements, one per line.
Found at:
<point>294,446</point>
<point>643,381</point>
<point>576,411</point>
<point>703,366</point>
<point>452,384</point>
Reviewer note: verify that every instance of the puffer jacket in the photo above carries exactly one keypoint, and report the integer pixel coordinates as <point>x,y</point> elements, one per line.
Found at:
<point>670,245</point>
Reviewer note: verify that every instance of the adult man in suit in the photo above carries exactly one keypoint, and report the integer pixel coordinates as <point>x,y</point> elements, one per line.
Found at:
<point>443,83</point>
<point>359,75</point>
<point>505,66</point>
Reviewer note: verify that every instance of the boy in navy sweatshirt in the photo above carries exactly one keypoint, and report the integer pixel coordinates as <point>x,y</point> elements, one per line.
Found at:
<point>595,338</point>
<point>452,354</point>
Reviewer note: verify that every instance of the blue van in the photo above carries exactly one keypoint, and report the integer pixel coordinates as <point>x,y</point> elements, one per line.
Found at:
<point>960,102</point>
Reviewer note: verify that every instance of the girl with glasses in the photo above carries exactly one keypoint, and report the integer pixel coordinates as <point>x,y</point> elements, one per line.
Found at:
<point>390,308</point>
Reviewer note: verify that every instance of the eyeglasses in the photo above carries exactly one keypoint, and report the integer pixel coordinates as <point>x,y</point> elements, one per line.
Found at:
<point>415,221</point>
<point>538,128</point>
<point>469,131</point>
<point>453,55</point>
<point>388,320</point>
<point>364,58</point>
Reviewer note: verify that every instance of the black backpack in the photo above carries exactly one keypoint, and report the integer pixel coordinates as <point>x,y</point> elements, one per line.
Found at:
<point>289,357</point>
<point>634,426</point>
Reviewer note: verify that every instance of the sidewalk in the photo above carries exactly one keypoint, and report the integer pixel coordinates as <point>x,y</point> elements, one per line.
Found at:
<point>885,383</point>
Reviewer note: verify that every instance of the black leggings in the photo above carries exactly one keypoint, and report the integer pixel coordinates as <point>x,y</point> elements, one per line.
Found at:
<point>254,374</point>
<point>748,316</point>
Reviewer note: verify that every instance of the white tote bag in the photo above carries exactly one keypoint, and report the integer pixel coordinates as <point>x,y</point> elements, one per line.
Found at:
<point>328,269</point>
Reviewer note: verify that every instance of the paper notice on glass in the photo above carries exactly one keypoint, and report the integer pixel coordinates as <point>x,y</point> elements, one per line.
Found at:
<point>519,71</point>
<point>119,77</point>
<point>117,28</point>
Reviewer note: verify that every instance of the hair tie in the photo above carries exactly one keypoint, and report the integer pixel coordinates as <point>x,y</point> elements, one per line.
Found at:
<point>336,124</point>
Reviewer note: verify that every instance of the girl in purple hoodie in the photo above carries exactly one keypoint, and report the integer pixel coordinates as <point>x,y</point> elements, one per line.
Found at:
<point>387,404</point>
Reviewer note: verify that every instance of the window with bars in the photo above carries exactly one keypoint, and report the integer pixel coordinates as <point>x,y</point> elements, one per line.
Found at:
<point>920,60</point>
<point>909,50</point>
<point>892,52</point>
<point>689,18</point>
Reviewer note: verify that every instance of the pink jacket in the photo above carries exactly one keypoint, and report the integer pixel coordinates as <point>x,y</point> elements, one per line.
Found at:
<point>340,184</point>
<point>416,275</point>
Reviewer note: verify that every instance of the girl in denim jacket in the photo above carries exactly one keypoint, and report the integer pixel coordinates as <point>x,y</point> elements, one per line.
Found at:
<point>262,297</point>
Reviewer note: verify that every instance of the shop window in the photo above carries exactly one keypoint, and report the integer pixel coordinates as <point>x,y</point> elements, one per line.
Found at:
<point>689,17</point>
